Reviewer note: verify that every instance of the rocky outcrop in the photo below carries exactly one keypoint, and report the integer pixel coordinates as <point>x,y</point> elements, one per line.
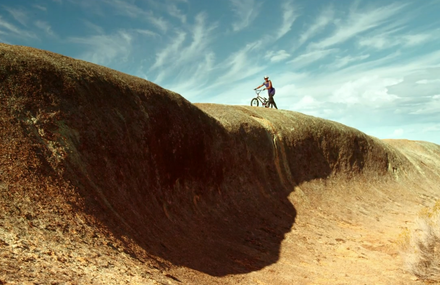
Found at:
<point>94,158</point>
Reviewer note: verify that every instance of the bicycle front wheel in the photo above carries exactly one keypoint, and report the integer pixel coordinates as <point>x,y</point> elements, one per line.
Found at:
<point>254,102</point>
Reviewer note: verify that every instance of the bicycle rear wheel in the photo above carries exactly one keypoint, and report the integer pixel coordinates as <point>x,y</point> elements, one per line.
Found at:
<point>254,102</point>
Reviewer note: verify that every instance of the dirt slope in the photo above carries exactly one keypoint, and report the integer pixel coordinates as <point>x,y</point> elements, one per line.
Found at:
<point>107,178</point>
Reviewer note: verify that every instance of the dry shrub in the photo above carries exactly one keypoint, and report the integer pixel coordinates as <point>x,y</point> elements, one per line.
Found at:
<point>420,248</point>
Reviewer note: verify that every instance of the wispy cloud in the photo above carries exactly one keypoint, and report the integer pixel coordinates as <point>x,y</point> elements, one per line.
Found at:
<point>147,33</point>
<point>170,51</point>
<point>387,91</point>
<point>426,109</point>
<point>45,27</point>
<point>431,128</point>
<point>389,40</point>
<point>126,8</point>
<point>246,11</point>
<point>277,56</point>
<point>105,49</point>
<point>359,22</point>
<point>93,27</point>
<point>289,16</point>
<point>160,23</point>
<point>176,56</point>
<point>346,60</point>
<point>326,17</point>
<point>18,14</point>
<point>235,70</point>
<point>201,34</point>
<point>427,81</point>
<point>176,12</point>
<point>308,58</point>
<point>39,7</point>
<point>369,91</point>
<point>240,64</point>
<point>194,79</point>
<point>131,10</point>
<point>14,31</point>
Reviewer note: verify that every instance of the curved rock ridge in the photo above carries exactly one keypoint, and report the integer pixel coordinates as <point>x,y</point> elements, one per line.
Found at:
<point>100,165</point>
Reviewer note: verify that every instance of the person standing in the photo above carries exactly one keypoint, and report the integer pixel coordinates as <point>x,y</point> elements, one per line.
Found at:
<point>270,91</point>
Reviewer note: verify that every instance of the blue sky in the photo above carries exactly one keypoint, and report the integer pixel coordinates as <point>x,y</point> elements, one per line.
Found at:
<point>372,65</point>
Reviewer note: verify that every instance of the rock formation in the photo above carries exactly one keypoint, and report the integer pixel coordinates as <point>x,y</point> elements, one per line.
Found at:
<point>106,178</point>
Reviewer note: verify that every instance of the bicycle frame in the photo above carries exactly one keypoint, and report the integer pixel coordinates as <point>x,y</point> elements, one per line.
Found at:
<point>256,101</point>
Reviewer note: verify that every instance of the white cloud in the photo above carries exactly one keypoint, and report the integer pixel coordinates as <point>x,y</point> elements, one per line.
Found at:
<point>367,91</point>
<point>176,12</point>
<point>384,41</point>
<point>277,56</point>
<point>147,33</point>
<point>160,23</point>
<point>369,95</point>
<point>417,39</point>
<point>397,133</point>
<point>377,42</point>
<point>127,9</point>
<point>359,22</point>
<point>430,106</point>
<point>307,102</point>
<point>389,62</point>
<point>246,12</point>
<point>96,28</point>
<point>195,77</point>
<point>170,51</point>
<point>431,128</point>
<point>105,49</point>
<point>14,31</point>
<point>311,57</point>
<point>235,72</point>
<point>427,81</point>
<point>45,27</point>
<point>326,17</point>
<point>289,17</point>
<point>179,59</point>
<point>18,14</point>
<point>239,65</point>
<point>201,34</point>
<point>344,61</point>
<point>39,7</point>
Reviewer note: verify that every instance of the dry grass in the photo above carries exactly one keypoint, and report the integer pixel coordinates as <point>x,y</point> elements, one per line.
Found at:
<point>420,248</point>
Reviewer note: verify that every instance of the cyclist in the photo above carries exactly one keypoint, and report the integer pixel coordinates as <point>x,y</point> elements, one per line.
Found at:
<point>270,91</point>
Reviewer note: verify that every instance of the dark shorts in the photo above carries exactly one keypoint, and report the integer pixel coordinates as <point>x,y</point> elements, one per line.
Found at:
<point>271,92</point>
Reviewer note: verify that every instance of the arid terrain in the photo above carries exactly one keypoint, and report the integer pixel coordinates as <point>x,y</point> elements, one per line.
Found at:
<point>106,178</point>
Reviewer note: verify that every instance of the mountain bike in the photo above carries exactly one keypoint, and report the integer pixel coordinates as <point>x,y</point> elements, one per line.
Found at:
<point>256,101</point>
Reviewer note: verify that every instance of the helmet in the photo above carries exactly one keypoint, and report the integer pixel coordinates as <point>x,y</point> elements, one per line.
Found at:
<point>266,77</point>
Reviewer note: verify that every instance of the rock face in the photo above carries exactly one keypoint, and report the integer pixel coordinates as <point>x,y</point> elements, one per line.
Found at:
<point>106,178</point>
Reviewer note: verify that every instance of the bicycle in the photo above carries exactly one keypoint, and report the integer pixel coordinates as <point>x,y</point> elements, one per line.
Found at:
<point>256,101</point>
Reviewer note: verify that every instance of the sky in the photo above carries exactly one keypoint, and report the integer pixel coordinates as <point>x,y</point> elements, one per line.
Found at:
<point>373,65</point>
